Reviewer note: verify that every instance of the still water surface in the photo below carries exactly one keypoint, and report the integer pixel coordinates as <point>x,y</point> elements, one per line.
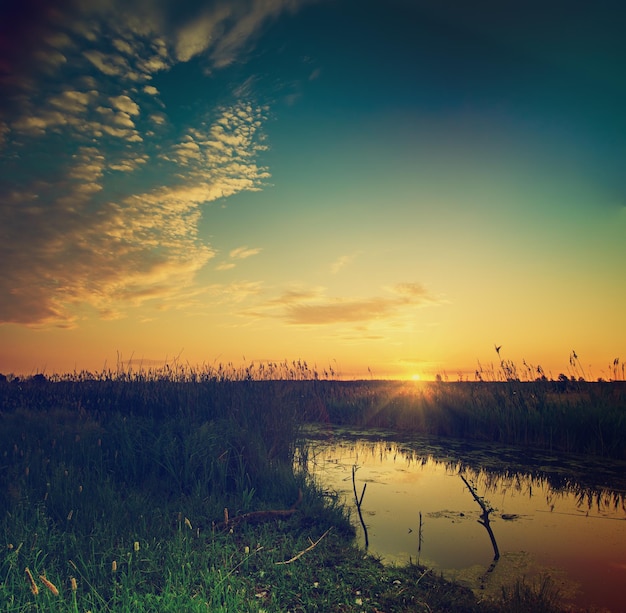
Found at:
<point>565,517</point>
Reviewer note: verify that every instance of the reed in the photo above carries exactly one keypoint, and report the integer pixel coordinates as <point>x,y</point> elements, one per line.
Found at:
<point>503,405</point>
<point>112,486</point>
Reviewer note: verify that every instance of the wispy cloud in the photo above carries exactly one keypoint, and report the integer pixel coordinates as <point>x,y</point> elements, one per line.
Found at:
<point>235,292</point>
<point>225,266</point>
<point>241,253</point>
<point>312,307</point>
<point>342,262</point>
<point>223,31</point>
<point>294,296</point>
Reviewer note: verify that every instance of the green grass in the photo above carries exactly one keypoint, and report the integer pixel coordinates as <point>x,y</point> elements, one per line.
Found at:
<point>116,485</point>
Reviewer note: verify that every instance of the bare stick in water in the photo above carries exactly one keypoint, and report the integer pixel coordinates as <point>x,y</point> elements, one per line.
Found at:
<point>359,501</point>
<point>484,518</point>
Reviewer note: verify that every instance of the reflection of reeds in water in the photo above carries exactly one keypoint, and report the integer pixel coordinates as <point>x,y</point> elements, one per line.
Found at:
<point>490,470</point>
<point>556,485</point>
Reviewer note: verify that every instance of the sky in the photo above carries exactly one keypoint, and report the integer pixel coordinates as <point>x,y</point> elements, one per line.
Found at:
<point>390,189</point>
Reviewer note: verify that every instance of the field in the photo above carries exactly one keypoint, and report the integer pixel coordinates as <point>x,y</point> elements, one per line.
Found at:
<point>177,490</point>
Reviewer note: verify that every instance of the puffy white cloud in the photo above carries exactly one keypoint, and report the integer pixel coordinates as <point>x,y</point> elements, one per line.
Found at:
<point>111,65</point>
<point>73,101</point>
<point>158,118</point>
<point>126,104</point>
<point>123,46</point>
<point>123,119</point>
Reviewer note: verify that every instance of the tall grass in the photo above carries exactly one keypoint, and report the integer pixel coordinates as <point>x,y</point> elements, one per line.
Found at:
<point>114,485</point>
<point>503,405</point>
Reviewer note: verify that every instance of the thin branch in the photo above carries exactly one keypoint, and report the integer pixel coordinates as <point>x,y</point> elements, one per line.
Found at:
<point>358,504</point>
<point>311,546</point>
<point>484,518</point>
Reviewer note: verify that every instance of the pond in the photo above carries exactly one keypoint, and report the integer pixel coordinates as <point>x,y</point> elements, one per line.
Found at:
<point>425,499</point>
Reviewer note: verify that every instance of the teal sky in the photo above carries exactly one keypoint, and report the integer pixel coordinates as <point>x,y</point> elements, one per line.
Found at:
<point>392,186</point>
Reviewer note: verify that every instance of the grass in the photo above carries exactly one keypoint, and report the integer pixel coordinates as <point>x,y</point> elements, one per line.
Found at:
<point>114,486</point>
<point>504,405</point>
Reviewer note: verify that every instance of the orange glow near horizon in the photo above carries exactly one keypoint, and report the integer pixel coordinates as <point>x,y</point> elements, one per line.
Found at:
<point>44,352</point>
<point>248,190</point>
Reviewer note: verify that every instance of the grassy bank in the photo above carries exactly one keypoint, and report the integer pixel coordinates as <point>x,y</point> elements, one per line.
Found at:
<point>177,491</point>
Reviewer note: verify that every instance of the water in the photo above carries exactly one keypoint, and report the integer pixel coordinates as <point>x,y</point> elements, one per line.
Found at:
<point>562,517</point>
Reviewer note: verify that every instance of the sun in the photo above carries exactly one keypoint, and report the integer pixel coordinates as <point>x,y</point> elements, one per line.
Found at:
<point>415,377</point>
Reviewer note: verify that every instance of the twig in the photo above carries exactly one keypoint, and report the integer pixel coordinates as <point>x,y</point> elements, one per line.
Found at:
<point>358,504</point>
<point>422,575</point>
<point>477,498</point>
<point>311,546</point>
<point>484,518</point>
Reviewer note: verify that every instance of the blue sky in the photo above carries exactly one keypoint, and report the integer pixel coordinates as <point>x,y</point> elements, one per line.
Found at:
<point>388,186</point>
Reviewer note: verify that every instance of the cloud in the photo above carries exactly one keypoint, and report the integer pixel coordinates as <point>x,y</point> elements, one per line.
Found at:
<point>341,262</point>
<point>241,253</point>
<point>235,292</point>
<point>144,247</point>
<point>104,204</point>
<point>158,118</point>
<point>223,32</point>
<point>225,266</point>
<point>125,104</point>
<point>340,311</point>
<point>4,132</point>
<point>312,307</point>
<point>225,147</point>
<point>71,247</point>
<point>111,65</point>
<point>72,101</point>
<point>196,36</point>
<point>123,46</point>
<point>129,164</point>
<point>50,60</point>
<point>297,295</point>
